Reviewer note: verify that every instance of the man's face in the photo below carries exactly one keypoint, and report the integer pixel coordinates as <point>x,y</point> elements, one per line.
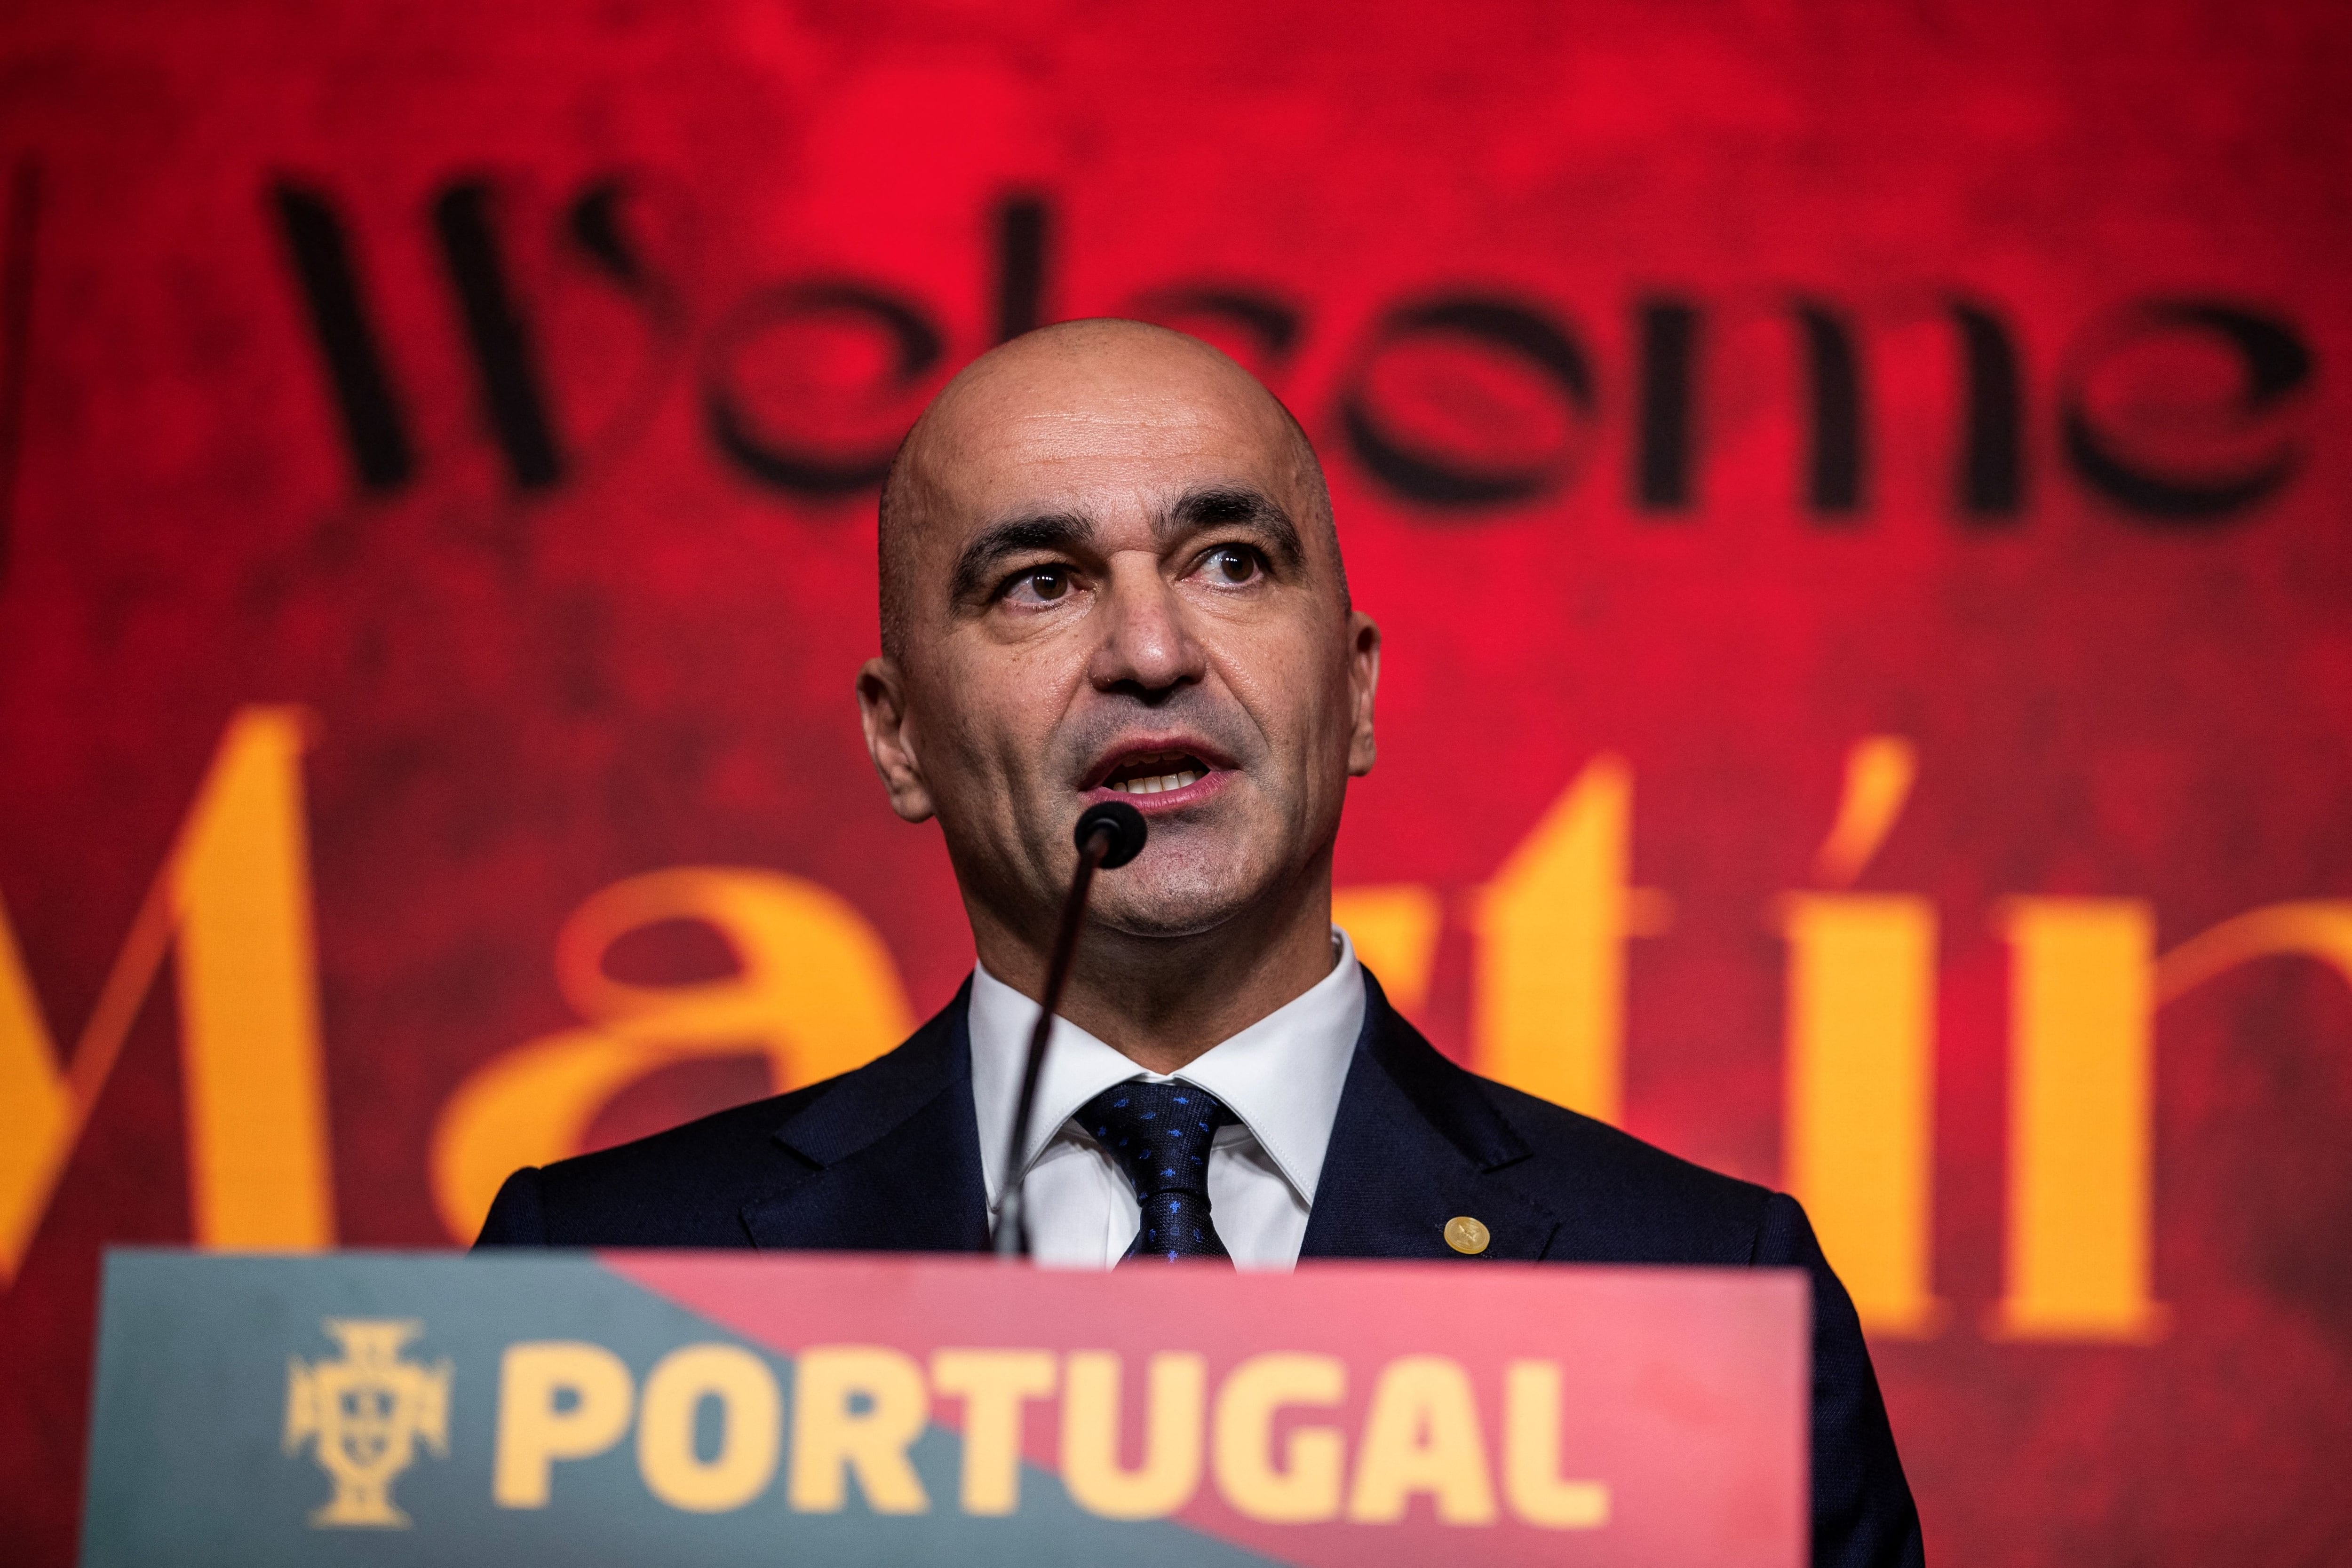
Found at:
<point>1118,586</point>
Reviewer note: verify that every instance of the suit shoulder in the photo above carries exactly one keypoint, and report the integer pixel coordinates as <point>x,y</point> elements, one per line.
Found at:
<point>735,1131</point>
<point>646,1192</point>
<point>688,1187</point>
<point>1635,1202</point>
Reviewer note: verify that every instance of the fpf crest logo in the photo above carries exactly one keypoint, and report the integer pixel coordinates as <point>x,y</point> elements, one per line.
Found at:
<point>367,1412</point>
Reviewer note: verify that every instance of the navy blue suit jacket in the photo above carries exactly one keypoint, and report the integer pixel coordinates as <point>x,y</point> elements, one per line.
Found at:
<point>887,1158</point>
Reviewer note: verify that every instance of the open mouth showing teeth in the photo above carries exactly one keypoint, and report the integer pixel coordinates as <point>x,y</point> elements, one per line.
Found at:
<point>1156,773</point>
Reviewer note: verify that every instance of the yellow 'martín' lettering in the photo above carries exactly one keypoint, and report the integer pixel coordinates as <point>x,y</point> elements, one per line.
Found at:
<point>815,992</point>
<point>236,894</point>
<point>1860,1146</point>
<point>2086,984</point>
<point>857,1411</point>
<point>1549,980</point>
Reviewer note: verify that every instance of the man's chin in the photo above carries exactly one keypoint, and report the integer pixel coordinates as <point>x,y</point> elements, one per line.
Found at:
<point>1167,909</point>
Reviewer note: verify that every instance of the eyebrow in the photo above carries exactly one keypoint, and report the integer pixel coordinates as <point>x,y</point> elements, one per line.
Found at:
<point>1195,511</point>
<point>1235,506</point>
<point>1058,531</point>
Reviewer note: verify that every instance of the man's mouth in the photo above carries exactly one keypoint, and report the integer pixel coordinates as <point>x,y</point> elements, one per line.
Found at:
<point>1155,773</point>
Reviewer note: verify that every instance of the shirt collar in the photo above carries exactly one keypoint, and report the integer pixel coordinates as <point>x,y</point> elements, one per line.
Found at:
<point>1281,1077</point>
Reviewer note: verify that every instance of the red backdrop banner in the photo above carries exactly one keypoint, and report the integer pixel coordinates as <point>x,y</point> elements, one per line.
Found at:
<point>1847,489</point>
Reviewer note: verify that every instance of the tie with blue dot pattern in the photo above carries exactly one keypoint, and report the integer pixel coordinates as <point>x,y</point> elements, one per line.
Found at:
<point>1159,1135</point>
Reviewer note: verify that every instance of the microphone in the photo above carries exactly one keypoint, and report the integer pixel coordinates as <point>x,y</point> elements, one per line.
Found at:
<point>1110,833</point>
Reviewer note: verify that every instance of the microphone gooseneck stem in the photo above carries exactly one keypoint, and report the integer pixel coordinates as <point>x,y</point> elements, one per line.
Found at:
<point>1012,1223</point>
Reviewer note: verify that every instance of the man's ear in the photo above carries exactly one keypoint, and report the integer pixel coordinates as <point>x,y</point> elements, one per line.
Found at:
<point>882,707</point>
<point>1363,683</point>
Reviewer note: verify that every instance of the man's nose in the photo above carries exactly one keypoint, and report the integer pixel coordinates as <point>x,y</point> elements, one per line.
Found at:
<point>1146,641</point>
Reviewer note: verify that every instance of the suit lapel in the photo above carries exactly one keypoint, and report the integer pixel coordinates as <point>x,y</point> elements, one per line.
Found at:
<point>889,1157</point>
<point>1415,1144</point>
<point>888,1160</point>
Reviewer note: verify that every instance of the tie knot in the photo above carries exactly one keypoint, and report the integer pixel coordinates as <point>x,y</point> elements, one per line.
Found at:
<point>1159,1132</point>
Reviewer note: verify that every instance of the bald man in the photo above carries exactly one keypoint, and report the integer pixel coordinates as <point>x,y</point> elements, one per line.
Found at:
<point>1108,572</point>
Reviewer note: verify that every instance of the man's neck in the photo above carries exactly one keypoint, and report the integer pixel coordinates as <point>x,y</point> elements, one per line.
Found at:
<point>1163,1001</point>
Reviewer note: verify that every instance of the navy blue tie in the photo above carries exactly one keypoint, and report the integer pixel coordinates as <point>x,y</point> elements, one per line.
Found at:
<point>1159,1135</point>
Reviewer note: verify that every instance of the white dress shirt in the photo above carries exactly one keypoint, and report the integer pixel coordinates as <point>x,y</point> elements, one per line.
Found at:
<point>1281,1078</point>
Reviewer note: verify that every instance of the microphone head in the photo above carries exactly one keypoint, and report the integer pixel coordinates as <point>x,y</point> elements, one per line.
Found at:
<point>1127,831</point>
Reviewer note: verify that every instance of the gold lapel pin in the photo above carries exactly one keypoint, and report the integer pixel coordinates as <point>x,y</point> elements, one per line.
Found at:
<point>1466,1235</point>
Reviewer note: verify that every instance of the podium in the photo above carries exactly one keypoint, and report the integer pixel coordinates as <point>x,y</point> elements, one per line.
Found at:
<point>704,1408</point>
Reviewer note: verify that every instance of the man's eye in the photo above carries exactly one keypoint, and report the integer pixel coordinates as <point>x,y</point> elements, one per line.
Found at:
<point>1232,564</point>
<point>1047,583</point>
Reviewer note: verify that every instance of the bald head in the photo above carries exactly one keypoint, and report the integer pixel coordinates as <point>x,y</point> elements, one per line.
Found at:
<point>1075,390</point>
<point>1108,573</point>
